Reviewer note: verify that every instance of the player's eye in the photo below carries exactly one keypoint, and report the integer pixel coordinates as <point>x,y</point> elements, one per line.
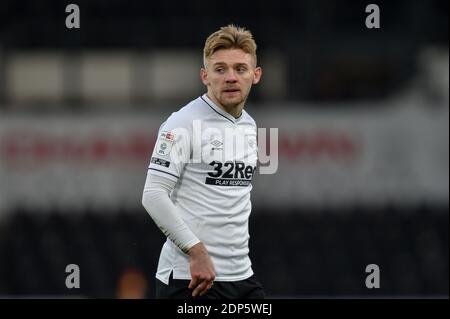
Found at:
<point>220,70</point>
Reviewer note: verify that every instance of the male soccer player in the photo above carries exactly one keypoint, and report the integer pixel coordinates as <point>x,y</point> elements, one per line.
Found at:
<point>199,180</point>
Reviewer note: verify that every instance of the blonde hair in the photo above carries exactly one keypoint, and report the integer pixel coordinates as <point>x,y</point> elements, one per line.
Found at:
<point>229,37</point>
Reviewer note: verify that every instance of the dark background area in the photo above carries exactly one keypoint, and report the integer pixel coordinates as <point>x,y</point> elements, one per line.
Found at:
<point>330,53</point>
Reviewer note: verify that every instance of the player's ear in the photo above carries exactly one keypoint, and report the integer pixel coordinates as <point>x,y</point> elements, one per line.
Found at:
<point>204,76</point>
<point>257,75</point>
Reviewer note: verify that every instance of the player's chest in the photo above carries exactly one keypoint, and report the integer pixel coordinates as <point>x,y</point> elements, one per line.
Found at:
<point>227,145</point>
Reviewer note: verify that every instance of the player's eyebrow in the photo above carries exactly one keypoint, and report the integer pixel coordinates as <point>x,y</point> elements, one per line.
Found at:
<point>220,63</point>
<point>242,64</point>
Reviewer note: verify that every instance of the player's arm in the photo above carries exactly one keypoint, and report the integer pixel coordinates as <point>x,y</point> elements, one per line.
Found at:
<point>156,201</point>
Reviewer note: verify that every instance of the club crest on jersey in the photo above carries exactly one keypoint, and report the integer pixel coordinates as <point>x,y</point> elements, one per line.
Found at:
<point>165,142</point>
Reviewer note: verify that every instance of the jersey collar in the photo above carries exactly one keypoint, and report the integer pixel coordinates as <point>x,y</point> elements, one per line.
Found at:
<point>219,111</point>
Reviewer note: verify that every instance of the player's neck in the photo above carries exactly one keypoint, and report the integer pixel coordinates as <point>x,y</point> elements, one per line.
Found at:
<point>234,111</point>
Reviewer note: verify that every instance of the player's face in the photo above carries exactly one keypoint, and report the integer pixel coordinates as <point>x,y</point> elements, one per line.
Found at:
<point>229,75</point>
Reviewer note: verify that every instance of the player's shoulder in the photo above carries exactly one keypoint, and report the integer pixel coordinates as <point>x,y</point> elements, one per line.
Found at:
<point>185,116</point>
<point>248,119</point>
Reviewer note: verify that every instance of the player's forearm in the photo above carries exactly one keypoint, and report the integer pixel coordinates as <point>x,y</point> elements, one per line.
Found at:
<point>157,203</point>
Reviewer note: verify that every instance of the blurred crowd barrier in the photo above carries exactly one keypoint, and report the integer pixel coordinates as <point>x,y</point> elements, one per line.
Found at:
<point>363,155</point>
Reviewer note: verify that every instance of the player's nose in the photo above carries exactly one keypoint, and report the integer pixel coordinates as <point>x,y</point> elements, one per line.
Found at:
<point>230,77</point>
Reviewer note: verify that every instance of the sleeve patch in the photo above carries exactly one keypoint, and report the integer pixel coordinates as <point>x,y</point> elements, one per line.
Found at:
<point>159,161</point>
<point>164,143</point>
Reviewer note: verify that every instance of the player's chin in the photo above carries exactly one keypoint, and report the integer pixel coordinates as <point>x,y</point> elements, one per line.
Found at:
<point>232,104</point>
<point>232,98</point>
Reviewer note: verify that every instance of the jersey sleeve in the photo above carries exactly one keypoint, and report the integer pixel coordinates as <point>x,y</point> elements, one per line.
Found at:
<point>156,200</point>
<point>172,149</point>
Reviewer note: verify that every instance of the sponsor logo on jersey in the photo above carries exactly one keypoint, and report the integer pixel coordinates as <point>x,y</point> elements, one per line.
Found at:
<point>160,161</point>
<point>230,174</point>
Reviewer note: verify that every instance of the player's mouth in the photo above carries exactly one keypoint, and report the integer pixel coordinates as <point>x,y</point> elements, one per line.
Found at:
<point>231,91</point>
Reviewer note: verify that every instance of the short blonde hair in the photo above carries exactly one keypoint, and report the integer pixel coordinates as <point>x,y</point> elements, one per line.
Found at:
<point>229,37</point>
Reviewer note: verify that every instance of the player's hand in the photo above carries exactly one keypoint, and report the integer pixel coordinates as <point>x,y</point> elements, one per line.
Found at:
<point>202,270</point>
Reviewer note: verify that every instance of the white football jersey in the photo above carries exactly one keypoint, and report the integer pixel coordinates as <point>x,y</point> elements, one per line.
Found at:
<point>212,156</point>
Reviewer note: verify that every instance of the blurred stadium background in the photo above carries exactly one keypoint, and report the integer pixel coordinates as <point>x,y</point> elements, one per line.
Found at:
<point>363,142</point>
